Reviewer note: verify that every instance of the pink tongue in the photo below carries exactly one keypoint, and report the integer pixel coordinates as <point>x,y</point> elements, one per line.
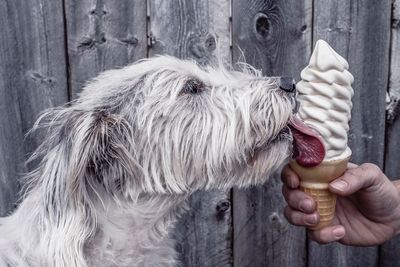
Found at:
<point>309,151</point>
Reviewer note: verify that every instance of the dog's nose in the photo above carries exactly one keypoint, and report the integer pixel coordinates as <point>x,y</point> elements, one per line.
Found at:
<point>287,84</point>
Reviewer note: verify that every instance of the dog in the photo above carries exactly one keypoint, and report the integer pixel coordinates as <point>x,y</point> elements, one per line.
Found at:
<point>117,164</point>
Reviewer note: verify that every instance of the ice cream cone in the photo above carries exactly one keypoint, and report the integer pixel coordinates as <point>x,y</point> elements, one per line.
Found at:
<point>315,180</point>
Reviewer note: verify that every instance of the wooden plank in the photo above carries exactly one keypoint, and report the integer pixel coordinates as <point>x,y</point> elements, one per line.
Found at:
<point>274,36</point>
<point>358,30</point>
<point>185,29</point>
<point>32,78</point>
<point>389,252</point>
<point>195,23</point>
<point>103,34</point>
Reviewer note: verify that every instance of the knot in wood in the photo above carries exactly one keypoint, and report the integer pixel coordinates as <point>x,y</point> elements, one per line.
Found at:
<point>210,43</point>
<point>202,46</point>
<point>262,24</point>
<point>130,40</point>
<point>39,77</point>
<point>275,219</point>
<point>88,42</point>
<point>98,13</point>
<point>223,206</point>
<point>395,23</point>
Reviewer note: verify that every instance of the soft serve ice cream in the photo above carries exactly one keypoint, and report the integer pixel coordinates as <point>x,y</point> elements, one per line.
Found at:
<point>325,94</point>
<point>320,128</point>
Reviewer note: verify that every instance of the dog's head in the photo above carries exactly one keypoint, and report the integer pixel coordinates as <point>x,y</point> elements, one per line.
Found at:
<point>186,127</point>
<point>164,125</point>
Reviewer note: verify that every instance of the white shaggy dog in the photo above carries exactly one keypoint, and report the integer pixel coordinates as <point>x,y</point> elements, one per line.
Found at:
<point>117,164</point>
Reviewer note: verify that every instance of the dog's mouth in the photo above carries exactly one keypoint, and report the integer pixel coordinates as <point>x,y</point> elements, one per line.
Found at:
<point>308,148</point>
<point>283,135</point>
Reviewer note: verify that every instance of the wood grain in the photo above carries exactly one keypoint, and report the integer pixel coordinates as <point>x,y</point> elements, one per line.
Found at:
<point>343,25</point>
<point>32,78</point>
<point>389,255</point>
<point>204,233</point>
<point>103,34</point>
<point>196,24</point>
<point>49,49</point>
<point>274,36</point>
<point>358,30</point>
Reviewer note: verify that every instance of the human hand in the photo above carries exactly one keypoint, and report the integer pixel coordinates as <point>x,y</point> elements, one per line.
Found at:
<point>367,208</point>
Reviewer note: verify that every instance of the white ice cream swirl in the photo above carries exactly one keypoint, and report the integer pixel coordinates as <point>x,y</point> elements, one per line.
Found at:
<point>325,94</point>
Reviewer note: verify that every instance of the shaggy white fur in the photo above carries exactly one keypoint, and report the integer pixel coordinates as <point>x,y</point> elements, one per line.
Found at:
<point>117,164</point>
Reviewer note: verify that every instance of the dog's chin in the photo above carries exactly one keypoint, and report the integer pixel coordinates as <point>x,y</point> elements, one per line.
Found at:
<point>266,160</point>
<point>282,143</point>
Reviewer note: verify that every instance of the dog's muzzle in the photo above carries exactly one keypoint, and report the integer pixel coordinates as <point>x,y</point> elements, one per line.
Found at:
<point>287,84</point>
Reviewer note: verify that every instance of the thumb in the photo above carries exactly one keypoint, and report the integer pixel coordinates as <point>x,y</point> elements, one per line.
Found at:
<point>355,179</point>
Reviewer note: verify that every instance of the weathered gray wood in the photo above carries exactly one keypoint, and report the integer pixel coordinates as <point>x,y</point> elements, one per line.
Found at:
<point>358,30</point>
<point>389,252</point>
<point>194,25</point>
<point>32,78</point>
<point>185,29</point>
<point>103,34</point>
<point>274,36</point>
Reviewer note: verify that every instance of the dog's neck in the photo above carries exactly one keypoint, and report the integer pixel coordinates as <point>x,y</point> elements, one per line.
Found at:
<point>128,234</point>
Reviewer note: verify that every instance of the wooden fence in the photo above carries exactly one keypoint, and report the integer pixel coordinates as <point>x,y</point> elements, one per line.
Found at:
<point>48,49</point>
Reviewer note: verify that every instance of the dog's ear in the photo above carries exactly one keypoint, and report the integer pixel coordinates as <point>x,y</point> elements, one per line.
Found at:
<point>82,153</point>
<point>109,154</point>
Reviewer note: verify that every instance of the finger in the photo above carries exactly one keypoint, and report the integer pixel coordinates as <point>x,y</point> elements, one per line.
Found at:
<point>328,234</point>
<point>351,165</point>
<point>289,177</point>
<point>300,219</point>
<point>354,179</point>
<point>298,200</point>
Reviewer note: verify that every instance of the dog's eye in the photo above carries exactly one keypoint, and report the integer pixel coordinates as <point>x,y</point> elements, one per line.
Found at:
<point>193,86</point>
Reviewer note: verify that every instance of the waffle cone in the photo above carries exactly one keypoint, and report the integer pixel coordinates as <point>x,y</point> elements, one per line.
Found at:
<point>315,181</point>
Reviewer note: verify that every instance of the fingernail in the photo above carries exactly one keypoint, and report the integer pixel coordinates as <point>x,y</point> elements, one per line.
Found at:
<point>306,205</point>
<point>311,219</point>
<point>340,185</point>
<point>338,232</point>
